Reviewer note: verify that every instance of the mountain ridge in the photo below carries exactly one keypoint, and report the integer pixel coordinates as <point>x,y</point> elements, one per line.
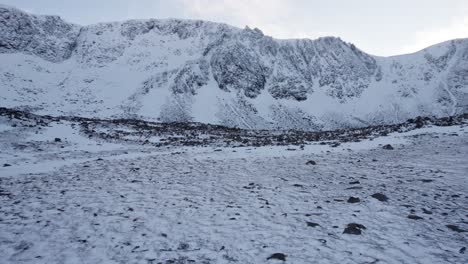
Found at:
<point>194,70</point>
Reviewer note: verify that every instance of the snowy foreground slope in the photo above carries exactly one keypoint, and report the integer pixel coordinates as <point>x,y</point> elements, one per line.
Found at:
<point>71,197</point>
<point>183,70</point>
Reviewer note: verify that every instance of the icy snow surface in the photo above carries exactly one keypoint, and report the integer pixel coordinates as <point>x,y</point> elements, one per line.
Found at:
<point>85,201</point>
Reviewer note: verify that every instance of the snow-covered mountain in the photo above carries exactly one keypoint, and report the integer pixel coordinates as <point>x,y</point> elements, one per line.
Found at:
<point>190,70</point>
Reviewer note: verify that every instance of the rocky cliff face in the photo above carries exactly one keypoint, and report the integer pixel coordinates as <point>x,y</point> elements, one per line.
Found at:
<point>47,37</point>
<point>182,70</point>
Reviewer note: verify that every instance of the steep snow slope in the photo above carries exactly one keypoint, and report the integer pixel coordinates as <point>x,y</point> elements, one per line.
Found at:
<point>183,70</point>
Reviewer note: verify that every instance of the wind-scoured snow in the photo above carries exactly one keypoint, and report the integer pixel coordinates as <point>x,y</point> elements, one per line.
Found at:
<point>78,199</point>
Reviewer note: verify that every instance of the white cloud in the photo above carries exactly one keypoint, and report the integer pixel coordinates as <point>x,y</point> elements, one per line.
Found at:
<point>266,15</point>
<point>395,31</point>
<point>458,28</point>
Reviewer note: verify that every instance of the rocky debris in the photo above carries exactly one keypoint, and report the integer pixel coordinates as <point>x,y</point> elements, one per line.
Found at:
<point>5,193</point>
<point>354,200</point>
<point>57,140</point>
<point>23,246</point>
<point>311,162</point>
<point>6,165</point>
<point>311,224</point>
<point>198,134</point>
<point>415,217</point>
<point>278,256</point>
<point>354,229</point>
<point>354,188</point>
<point>355,182</point>
<point>427,180</point>
<point>388,147</point>
<point>425,211</point>
<point>456,228</point>
<point>462,250</point>
<point>379,196</point>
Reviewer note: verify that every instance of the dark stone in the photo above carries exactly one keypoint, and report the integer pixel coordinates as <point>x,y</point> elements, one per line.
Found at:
<point>311,162</point>
<point>58,140</point>
<point>456,228</point>
<point>355,182</point>
<point>278,256</point>
<point>354,229</point>
<point>414,217</point>
<point>388,147</point>
<point>183,246</point>
<point>462,250</point>
<point>354,188</point>
<point>312,224</point>
<point>426,211</point>
<point>427,180</point>
<point>354,200</point>
<point>6,165</point>
<point>379,196</point>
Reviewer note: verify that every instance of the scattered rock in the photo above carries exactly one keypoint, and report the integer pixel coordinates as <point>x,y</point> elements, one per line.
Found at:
<point>388,147</point>
<point>379,196</point>
<point>427,180</point>
<point>354,200</point>
<point>414,217</point>
<point>354,188</point>
<point>310,224</point>
<point>6,165</point>
<point>462,250</point>
<point>426,211</point>
<point>456,228</point>
<point>354,229</point>
<point>58,140</point>
<point>23,246</point>
<point>311,162</point>
<point>183,246</point>
<point>278,256</point>
<point>323,241</point>
<point>355,182</point>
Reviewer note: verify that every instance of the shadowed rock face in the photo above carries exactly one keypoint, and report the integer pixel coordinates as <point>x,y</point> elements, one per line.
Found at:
<point>48,37</point>
<point>161,69</point>
<point>237,67</point>
<point>239,59</point>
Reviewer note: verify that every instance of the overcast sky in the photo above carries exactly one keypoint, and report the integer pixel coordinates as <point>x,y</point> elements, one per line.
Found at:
<point>379,27</point>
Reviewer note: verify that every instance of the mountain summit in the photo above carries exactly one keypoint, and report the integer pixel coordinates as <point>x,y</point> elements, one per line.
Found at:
<point>189,70</point>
